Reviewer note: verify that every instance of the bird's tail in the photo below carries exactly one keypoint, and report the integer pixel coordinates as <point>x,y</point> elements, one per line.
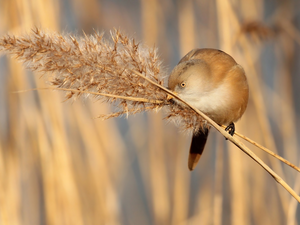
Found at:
<point>197,147</point>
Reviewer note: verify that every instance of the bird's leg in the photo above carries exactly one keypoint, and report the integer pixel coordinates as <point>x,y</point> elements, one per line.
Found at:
<point>230,128</point>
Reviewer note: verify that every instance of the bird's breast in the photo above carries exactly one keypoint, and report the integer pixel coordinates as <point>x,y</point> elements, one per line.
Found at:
<point>221,103</point>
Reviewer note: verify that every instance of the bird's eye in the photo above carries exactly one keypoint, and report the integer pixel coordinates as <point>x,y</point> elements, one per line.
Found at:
<point>183,84</point>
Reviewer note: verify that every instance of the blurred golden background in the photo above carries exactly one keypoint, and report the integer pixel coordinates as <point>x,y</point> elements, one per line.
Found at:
<point>59,165</point>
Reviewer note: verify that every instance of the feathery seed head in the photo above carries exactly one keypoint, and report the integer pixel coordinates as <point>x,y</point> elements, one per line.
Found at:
<point>103,69</point>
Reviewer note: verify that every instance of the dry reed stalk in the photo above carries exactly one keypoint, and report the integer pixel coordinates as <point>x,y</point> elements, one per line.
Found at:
<point>52,198</point>
<point>262,110</point>
<point>186,26</point>
<point>261,32</point>
<point>251,55</point>
<point>285,53</point>
<point>159,194</point>
<point>218,184</point>
<point>102,185</point>
<point>121,69</point>
<point>186,32</point>
<point>267,151</point>
<point>239,210</point>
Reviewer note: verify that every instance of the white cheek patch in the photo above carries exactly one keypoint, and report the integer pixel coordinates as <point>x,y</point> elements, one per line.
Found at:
<point>191,96</point>
<point>211,101</point>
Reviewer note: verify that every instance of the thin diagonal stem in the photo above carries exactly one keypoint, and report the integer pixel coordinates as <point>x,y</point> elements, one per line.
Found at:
<point>135,99</point>
<point>239,144</point>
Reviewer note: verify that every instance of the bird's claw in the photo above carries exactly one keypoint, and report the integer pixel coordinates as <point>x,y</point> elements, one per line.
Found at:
<point>230,128</point>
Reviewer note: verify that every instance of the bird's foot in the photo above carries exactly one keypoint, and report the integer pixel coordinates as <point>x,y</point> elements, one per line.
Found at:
<point>230,128</point>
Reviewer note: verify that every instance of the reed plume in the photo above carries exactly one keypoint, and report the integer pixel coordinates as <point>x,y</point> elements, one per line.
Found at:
<point>117,72</point>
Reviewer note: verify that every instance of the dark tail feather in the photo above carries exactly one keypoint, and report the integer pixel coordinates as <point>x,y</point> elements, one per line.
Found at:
<point>197,147</point>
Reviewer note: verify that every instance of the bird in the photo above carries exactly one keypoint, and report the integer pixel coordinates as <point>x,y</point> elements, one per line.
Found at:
<point>211,81</point>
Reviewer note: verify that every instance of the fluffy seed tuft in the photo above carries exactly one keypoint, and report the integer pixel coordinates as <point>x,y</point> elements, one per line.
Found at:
<point>92,66</point>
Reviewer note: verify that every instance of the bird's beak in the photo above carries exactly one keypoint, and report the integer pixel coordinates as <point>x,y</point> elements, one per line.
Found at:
<point>169,97</point>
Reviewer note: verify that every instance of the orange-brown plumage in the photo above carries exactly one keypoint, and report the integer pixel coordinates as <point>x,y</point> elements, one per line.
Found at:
<point>213,82</point>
